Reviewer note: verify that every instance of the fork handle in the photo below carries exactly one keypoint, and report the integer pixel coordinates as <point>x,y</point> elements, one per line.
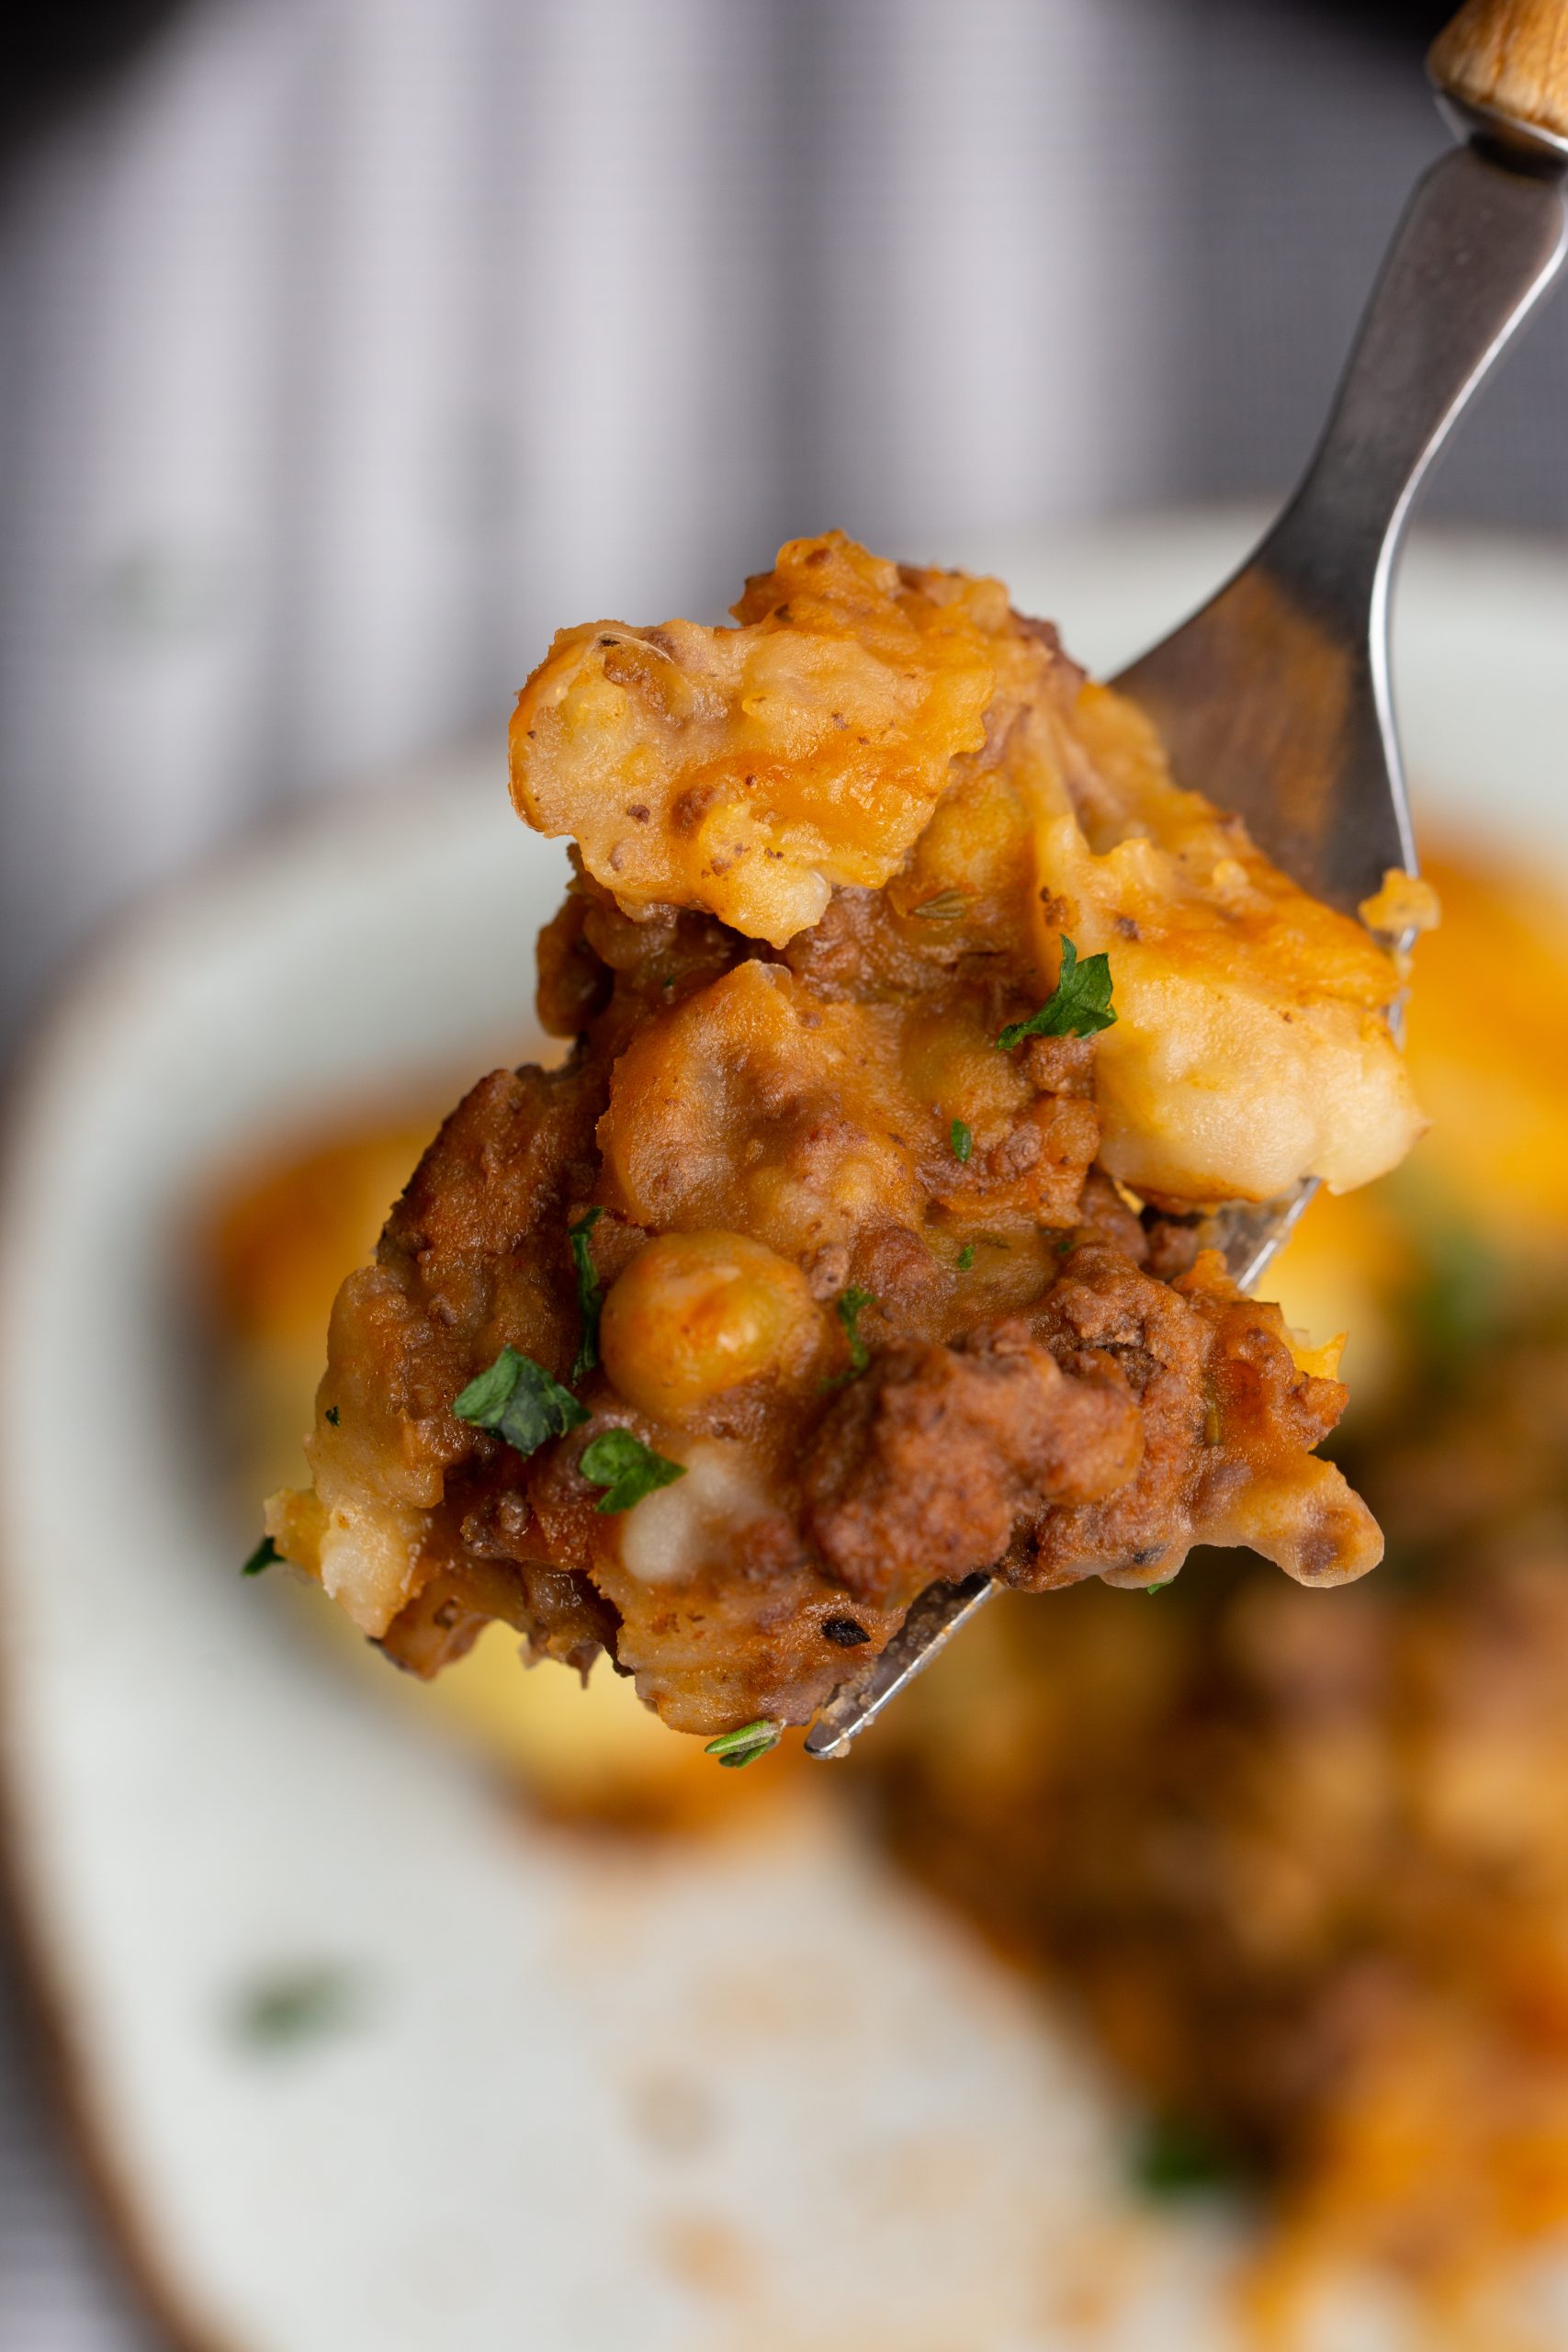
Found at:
<point>1479,245</point>
<point>1509,58</point>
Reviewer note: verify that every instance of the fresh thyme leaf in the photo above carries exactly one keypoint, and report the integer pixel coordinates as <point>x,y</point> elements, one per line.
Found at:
<point>517,1398</point>
<point>266,1555</point>
<point>966,1257</point>
<point>332,1415</point>
<point>946,907</point>
<point>296,2006</point>
<point>962,1140</point>
<point>589,1295</point>
<point>734,1748</point>
<point>618,1459</point>
<point>1077,1006</point>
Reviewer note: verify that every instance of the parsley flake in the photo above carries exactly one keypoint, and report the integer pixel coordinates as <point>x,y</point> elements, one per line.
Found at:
<point>295,2006</point>
<point>266,1555</point>
<point>517,1398</point>
<point>1179,2157</point>
<point>966,1257</point>
<point>618,1459</point>
<point>946,907</point>
<point>849,1306</point>
<point>734,1748</point>
<point>962,1140</point>
<point>590,1294</point>
<point>1077,1006</point>
<point>333,1416</point>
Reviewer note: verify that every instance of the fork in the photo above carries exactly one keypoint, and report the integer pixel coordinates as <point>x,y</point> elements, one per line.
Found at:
<point>1274,698</point>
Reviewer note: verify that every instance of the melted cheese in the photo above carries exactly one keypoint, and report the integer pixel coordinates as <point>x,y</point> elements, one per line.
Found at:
<point>1252,1046</point>
<point>747,770</point>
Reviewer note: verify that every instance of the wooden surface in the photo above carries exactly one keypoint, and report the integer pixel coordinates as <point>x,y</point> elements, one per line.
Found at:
<point>1510,55</point>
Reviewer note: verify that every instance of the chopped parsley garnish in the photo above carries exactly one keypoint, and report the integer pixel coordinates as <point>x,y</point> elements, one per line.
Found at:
<point>734,1748</point>
<point>849,1306</point>
<point>590,1296</point>
<point>1077,1006</point>
<point>619,1460</point>
<point>962,1140</point>
<point>517,1398</point>
<point>966,1257</point>
<point>946,907</point>
<point>332,1415</point>
<point>266,1555</point>
<point>296,2006</point>
<point>1179,2157</point>
<point>1163,1585</point>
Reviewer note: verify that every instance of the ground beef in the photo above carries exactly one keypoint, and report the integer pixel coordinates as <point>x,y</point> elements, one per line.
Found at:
<point>928,1464</point>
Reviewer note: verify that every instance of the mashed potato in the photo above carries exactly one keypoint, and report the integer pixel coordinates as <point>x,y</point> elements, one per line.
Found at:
<point>748,771</point>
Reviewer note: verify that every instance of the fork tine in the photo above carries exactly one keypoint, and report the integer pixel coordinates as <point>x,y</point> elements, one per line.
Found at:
<point>937,1614</point>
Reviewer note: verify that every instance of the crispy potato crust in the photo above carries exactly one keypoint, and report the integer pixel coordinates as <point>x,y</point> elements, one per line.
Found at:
<point>749,770</point>
<point>861,716</point>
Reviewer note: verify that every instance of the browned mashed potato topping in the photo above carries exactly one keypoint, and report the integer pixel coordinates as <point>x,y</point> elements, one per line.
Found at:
<point>879,1302</point>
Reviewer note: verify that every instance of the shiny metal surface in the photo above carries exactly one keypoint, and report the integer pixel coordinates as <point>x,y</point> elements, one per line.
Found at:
<point>939,1613</point>
<point>1275,699</point>
<point>1518,141</point>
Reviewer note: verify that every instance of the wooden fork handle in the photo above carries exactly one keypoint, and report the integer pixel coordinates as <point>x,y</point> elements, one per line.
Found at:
<point>1509,56</point>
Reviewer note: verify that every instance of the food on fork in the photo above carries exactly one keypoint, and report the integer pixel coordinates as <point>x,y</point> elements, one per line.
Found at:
<point>919,1022</point>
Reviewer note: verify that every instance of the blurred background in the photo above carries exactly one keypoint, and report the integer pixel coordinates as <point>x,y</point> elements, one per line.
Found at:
<point>347,346</point>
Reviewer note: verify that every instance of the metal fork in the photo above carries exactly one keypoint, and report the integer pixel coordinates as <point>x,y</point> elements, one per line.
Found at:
<point>1274,699</point>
